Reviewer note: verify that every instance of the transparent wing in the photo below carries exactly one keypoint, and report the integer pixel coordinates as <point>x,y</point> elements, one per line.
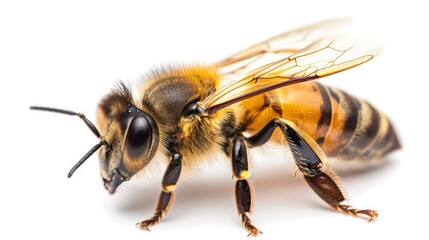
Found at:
<point>321,58</point>
<point>278,47</point>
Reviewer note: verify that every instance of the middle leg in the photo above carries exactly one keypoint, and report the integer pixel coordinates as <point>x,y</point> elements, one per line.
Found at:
<point>244,192</point>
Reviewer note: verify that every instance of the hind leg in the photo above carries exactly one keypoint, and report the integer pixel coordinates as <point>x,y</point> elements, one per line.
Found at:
<point>310,159</point>
<point>327,185</point>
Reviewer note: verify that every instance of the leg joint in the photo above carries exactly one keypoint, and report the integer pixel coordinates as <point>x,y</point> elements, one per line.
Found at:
<point>264,134</point>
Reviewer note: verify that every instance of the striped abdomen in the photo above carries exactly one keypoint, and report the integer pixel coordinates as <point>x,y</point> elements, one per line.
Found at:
<point>344,126</point>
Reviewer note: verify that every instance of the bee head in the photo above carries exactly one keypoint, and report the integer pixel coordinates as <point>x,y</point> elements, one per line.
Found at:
<point>132,136</point>
<point>128,137</point>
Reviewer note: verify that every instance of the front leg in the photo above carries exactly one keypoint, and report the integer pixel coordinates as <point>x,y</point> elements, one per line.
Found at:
<point>167,197</point>
<point>244,192</point>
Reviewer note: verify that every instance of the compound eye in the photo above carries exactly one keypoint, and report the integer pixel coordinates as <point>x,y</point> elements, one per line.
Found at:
<point>139,137</point>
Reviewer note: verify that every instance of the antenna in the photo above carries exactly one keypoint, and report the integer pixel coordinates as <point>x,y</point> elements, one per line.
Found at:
<point>80,115</point>
<point>90,126</point>
<point>86,156</point>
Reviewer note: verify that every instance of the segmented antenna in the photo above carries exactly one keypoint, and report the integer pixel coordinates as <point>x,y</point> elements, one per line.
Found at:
<point>90,126</point>
<point>80,115</point>
<point>86,156</point>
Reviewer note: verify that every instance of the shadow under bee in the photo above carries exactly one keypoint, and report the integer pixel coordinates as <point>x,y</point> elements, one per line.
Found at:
<point>279,196</point>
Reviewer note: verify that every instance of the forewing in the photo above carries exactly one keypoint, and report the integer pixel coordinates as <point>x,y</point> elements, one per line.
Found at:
<point>321,58</point>
<point>276,48</point>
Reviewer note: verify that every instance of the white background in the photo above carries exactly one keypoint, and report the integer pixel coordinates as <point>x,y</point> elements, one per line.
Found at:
<point>68,54</point>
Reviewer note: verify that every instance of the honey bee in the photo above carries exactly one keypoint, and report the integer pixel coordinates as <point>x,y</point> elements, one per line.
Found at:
<point>265,93</point>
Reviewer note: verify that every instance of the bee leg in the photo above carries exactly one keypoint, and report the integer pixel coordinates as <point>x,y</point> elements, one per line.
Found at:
<point>166,200</point>
<point>327,186</point>
<point>310,158</point>
<point>244,192</point>
<point>244,199</point>
<point>167,196</point>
